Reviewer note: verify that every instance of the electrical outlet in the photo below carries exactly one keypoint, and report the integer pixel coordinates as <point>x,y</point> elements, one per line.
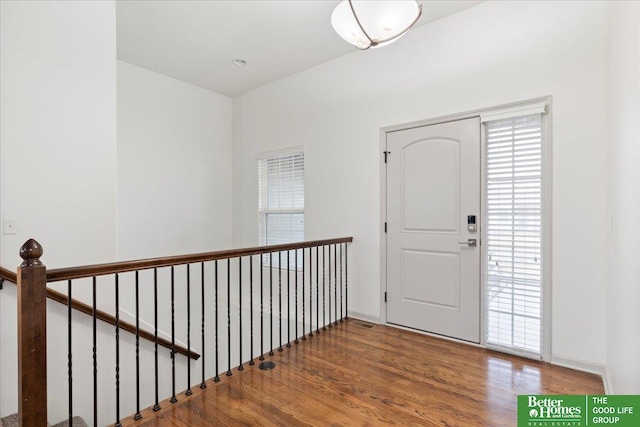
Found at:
<point>10,226</point>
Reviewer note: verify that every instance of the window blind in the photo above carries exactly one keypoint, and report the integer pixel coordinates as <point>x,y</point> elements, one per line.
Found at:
<point>513,236</point>
<point>281,199</point>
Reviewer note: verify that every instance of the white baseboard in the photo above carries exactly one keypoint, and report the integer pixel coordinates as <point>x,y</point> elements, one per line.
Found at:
<point>606,379</point>
<point>584,366</point>
<point>365,317</point>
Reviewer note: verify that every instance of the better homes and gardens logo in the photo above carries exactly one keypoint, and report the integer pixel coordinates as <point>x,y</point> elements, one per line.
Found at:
<point>578,411</point>
<point>552,410</point>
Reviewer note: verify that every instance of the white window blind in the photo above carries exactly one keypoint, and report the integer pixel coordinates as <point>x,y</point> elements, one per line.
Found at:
<point>514,233</point>
<point>281,199</point>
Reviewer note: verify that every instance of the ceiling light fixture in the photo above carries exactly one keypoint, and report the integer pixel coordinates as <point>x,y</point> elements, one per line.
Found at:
<point>239,62</point>
<point>367,23</point>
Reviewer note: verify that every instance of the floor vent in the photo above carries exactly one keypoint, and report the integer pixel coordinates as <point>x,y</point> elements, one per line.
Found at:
<point>362,324</point>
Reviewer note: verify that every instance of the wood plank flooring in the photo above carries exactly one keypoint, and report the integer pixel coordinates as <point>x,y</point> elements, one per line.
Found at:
<point>355,376</point>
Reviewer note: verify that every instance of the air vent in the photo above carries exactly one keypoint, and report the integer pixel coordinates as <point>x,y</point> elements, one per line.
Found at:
<point>361,324</point>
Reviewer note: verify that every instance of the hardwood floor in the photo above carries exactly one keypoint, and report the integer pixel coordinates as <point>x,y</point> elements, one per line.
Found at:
<point>355,376</point>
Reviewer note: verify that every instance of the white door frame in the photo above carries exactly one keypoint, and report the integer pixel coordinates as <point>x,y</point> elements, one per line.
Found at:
<point>546,201</point>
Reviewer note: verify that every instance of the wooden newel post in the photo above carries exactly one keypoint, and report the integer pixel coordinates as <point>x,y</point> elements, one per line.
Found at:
<point>32,337</point>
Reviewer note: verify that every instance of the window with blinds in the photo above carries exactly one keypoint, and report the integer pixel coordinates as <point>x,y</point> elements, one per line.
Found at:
<point>513,233</point>
<point>281,199</point>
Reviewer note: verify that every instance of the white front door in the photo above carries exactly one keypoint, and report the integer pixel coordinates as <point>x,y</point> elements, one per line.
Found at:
<point>433,194</point>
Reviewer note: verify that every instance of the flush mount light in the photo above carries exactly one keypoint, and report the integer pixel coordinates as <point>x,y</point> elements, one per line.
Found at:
<point>239,62</point>
<point>366,23</point>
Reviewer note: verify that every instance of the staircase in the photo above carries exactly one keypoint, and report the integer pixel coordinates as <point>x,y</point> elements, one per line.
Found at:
<point>13,421</point>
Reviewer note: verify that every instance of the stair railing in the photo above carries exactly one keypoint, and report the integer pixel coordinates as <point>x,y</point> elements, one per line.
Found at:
<point>307,280</point>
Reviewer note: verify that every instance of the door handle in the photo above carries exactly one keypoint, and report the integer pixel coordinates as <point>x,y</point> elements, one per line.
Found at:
<point>471,242</point>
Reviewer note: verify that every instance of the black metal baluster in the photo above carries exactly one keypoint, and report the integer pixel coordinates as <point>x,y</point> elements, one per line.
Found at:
<point>346,282</point>
<point>296,293</point>
<point>324,309</point>
<point>95,355</point>
<point>280,299</point>
<point>156,407</point>
<point>251,362</point>
<point>304,334</point>
<point>188,392</point>
<point>335,281</point>
<point>341,317</point>
<point>69,354</point>
<point>271,301</point>
<point>203,384</point>
<point>261,309</point>
<point>329,293</point>
<point>317,289</point>
<point>229,373</point>
<point>310,293</point>
<point>174,399</point>
<point>241,367</point>
<point>117,310</point>
<point>216,378</point>
<point>137,416</point>
<point>288,302</point>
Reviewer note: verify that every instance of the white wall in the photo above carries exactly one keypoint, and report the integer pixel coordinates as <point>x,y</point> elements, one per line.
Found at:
<point>491,54</point>
<point>623,339</point>
<point>57,143</point>
<point>174,166</point>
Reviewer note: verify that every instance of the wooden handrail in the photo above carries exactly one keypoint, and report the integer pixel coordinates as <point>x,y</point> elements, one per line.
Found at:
<point>8,275</point>
<point>58,274</point>
<point>105,317</point>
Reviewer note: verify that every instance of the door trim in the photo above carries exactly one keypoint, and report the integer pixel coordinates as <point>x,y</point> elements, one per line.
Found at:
<point>547,166</point>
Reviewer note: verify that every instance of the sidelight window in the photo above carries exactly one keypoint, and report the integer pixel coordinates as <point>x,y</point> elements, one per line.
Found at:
<point>514,233</point>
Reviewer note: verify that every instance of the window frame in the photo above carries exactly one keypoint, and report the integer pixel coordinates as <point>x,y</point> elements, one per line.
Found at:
<point>263,190</point>
<point>524,108</point>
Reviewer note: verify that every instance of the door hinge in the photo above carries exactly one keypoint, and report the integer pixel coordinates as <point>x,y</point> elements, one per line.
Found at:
<point>385,227</point>
<point>386,153</point>
<point>385,297</point>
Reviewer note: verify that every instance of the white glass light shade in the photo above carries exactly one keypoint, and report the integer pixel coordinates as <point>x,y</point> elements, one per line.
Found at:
<point>383,21</point>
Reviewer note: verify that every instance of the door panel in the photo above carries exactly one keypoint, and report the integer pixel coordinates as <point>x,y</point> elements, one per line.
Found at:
<point>443,267</point>
<point>433,184</point>
<point>430,185</point>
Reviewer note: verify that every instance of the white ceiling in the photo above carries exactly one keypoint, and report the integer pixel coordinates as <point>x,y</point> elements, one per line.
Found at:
<point>195,41</point>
